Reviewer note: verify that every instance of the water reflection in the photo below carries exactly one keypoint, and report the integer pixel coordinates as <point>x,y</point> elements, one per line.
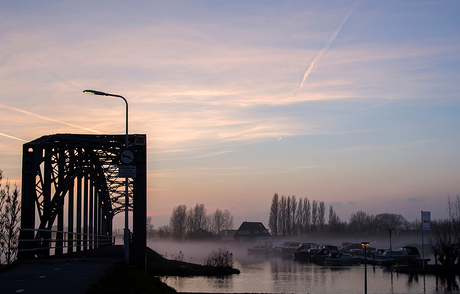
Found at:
<point>447,283</point>
<point>286,276</point>
<point>222,282</point>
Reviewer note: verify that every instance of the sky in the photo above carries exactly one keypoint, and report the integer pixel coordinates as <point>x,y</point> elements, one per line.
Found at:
<point>354,103</point>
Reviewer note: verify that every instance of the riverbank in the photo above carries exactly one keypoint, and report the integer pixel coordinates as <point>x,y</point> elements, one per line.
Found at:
<point>430,269</point>
<point>160,266</point>
<point>122,279</point>
<point>127,280</point>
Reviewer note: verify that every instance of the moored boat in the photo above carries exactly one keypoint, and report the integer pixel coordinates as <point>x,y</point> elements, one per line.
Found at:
<point>261,249</point>
<point>324,252</point>
<point>304,252</point>
<point>342,259</point>
<point>285,250</point>
<point>408,255</point>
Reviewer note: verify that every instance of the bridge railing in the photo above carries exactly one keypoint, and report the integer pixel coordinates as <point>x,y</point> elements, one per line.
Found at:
<point>51,242</point>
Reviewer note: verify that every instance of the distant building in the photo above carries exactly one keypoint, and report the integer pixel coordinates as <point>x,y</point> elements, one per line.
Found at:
<point>252,232</point>
<point>227,235</point>
<point>200,234</point>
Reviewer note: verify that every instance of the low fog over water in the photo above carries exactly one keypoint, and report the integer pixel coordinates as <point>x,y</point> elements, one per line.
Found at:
<point>197,251</point>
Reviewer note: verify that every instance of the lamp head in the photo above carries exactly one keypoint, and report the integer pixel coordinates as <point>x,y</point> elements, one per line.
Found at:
<point>95,92</point>
<point>365,244</point>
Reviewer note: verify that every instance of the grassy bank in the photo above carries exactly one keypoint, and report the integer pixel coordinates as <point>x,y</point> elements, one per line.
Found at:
<point>122,279</point>
<point>129,280</point>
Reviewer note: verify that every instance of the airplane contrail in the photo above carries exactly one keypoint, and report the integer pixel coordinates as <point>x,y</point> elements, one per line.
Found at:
<point>278,140</point>
<point>321,53</point>
<point>11,137</point>
<point>47,118</point>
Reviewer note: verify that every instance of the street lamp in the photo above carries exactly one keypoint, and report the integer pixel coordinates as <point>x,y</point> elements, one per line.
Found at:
<point>389,230</point>
<point>365,245</point>
<point>126,237</point>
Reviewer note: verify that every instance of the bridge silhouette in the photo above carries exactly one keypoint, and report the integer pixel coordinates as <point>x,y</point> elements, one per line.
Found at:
<point>71,192</point>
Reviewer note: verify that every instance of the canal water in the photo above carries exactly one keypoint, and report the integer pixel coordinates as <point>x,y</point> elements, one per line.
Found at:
<point>275,275</point>
<point>287,276</point>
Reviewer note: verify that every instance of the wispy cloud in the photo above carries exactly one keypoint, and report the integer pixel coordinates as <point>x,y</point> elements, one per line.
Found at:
<point>12,137</point>
<point>48,119</point>
<point>361,148</point>
<point>216,171</point>
<point>416,200</point>
<point>328,44</point>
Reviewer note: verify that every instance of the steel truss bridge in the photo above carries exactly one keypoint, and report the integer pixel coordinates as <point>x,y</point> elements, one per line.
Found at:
<point>71,192</point>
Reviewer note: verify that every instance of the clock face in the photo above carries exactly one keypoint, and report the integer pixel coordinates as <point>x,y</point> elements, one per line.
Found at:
<point>127,156</point>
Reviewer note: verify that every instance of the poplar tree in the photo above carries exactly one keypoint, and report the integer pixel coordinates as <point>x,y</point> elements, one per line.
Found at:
<point>293,215</point>
<point>299,218</point>
<point>273,218</point>
<point>282,216</point>
<point>321,215</point>
<point>306,213</point>
<point>288,215</point>
<point>314,214</point>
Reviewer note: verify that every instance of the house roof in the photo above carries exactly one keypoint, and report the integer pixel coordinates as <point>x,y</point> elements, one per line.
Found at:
<point>252,229</point>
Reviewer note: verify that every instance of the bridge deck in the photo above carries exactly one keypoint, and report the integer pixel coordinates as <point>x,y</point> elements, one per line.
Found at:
<point>72,273</point>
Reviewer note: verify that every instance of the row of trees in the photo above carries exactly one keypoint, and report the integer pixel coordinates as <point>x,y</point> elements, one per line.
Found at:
<point>184,221</point>
<point>290,216</point>
<point>10,207</point>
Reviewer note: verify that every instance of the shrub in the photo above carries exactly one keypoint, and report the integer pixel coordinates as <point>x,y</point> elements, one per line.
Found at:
<point>10,207</point>
<point>220,258</point>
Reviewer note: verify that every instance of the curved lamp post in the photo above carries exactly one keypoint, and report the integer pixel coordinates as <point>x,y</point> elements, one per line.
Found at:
<point>365,245</point>
<point>126,237</point>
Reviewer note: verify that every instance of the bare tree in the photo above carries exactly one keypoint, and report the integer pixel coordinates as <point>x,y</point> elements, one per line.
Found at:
<point>10,208</point>
<point>273,218</point>
<point>457,208</point>
<point>196,218</point>
<point>227,222</point>
<point>221,220</point>
<point>361,221</point>
<point>178,221</point>
<point>384,221</point>
<point>164,232</point>
<point>149,228</point>
<point>445,241</point>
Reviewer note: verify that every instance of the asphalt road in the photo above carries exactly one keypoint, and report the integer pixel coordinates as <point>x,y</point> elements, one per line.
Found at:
<point>66,275</point>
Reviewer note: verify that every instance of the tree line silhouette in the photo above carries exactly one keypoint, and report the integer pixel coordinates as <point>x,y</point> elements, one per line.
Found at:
<point>185,221</point>
<point>290,216</point>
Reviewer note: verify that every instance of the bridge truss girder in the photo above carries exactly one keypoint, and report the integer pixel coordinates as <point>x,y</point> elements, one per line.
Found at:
<point>70,183</point>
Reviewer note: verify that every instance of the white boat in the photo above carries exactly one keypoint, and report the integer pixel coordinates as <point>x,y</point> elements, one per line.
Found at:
<point>261,249</point>
<point>405,255</point>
